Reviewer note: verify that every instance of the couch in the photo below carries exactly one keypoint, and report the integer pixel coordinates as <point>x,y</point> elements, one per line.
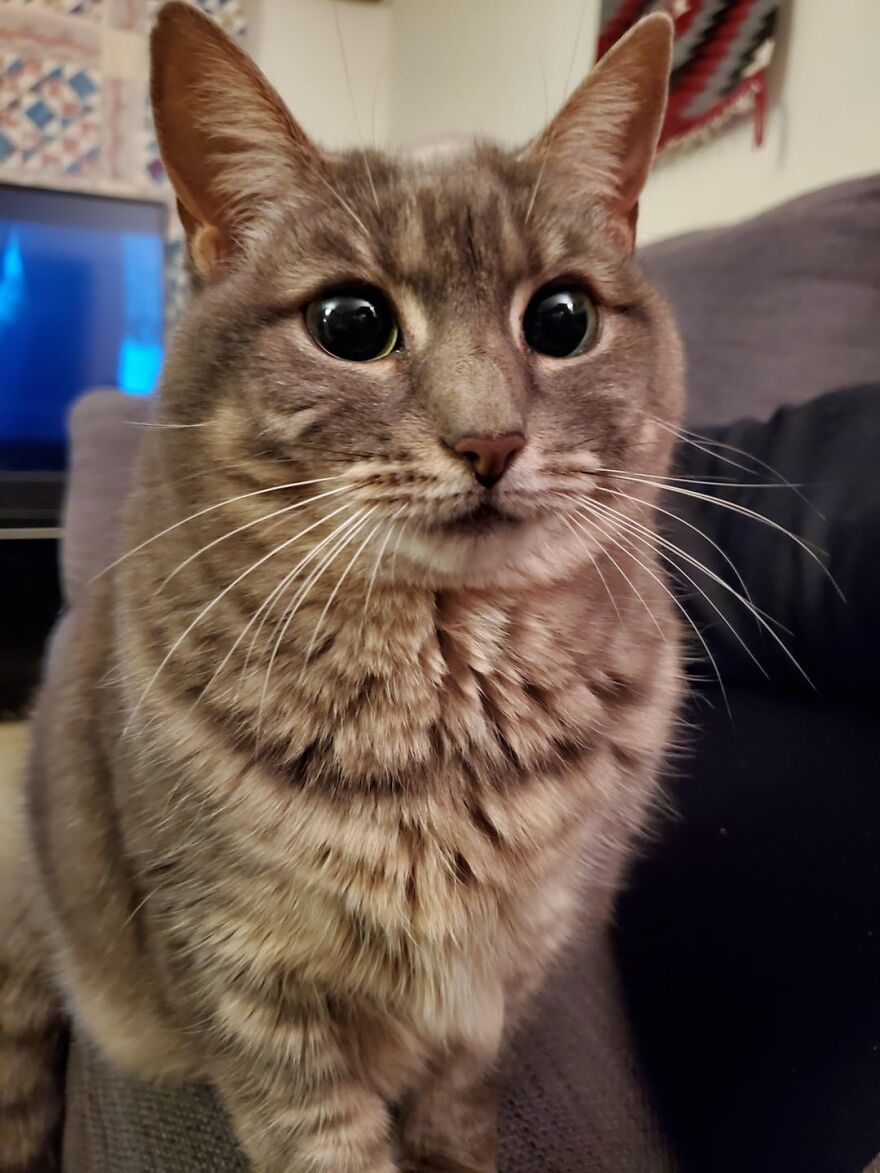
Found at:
<point>731,1021</point>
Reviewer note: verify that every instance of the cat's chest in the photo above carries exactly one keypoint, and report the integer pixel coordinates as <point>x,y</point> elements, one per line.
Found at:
<point>480,689</point>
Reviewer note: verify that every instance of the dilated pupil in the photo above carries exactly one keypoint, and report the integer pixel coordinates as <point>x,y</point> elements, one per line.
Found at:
<point>352,326</point>
<point>556,323</point>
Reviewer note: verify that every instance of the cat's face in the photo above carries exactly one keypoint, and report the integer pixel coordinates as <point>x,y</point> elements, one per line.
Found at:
<point>461,337</point>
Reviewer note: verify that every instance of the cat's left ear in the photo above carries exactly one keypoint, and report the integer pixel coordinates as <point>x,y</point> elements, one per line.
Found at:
<point>605,136</point>
<point>228,142</point>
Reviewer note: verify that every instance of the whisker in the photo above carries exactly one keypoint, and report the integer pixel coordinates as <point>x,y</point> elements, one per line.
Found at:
<point>249,525</point>
<point>677,603</point>
<point>357,124</point>
<point>334,593</point>
<point>372,582</point>
<point>735,507</point>
<point>342,202</point>
<point>349,532</point>
<point>655,543</point>
<point>566,83</point>
<point>286,578</point>
<point>198,619</point>
<point>625,576</point>
<point>705,444</point>
<point>609,592</point>
<point>758,615</point>
<point>210,509</point>
<point>689,525</point>
<point>393,567</point>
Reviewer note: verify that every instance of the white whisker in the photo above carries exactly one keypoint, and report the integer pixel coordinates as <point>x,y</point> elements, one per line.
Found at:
<point>210,509</point>
<point>608,591</point>
<point>696,529</point>
<point>566,83</point>
<point>761,619</point>
<point>393,567</point>
<point>286,581</point>
<point>372,582</point>
<point>733,506</point>
<point>677,602</point>
<point>349,532</point>
<point>273,594</point>
<point>343,202</point>
<point>249,525</point>
<point>656,543</point>
<point>357,123</point>
<point>334,593</point>
<point>629,581</point>
<point>706,444</point>
<point>198,619</point>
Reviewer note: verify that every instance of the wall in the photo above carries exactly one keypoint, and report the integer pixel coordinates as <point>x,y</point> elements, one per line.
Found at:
<point>303,46</point>
<point>423,68</point>
<point>822,126</point>
<point>490,67</point>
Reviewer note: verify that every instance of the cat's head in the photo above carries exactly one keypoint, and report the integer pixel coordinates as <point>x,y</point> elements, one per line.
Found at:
<point>461,336</point>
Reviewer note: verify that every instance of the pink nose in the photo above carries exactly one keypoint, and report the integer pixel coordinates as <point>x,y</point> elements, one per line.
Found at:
<point>489,456</point>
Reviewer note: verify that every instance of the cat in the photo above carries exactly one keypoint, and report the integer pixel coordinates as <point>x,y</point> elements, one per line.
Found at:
<point>363,723</point>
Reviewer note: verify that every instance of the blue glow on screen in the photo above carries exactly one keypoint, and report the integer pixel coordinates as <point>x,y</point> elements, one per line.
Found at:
<point>80,307</point>
<point>140,349</point>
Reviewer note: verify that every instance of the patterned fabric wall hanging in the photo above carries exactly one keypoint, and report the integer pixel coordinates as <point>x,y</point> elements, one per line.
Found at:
<point>719,68</point>
<point>74,103</point>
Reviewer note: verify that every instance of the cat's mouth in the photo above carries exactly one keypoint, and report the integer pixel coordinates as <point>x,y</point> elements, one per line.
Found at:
<point>482,518</point>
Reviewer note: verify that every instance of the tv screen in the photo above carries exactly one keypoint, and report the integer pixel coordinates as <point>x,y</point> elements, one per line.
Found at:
<point>81,305</point>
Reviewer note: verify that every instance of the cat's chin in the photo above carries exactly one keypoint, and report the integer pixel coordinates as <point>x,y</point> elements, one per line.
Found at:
<point>490,549</point>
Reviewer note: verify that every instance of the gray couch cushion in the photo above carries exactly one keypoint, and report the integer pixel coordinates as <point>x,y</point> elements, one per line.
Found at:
<point>105,432</point>
<point>573,1101</point>
<point>780,308</point>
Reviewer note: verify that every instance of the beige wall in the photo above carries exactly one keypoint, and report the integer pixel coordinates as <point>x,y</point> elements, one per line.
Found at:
<point>423,68</point>
<point>497,68</point>
<point>295,42</point>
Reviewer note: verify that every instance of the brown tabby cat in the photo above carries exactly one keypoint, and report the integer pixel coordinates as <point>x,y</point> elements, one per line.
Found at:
<point>330,763</point>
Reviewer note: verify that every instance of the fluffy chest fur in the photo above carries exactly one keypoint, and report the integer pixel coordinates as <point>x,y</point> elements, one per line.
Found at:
<point>413,816</point>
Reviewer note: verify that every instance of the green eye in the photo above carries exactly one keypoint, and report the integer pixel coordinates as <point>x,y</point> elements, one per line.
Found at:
<point>561,322</point>
<point>354,324</point>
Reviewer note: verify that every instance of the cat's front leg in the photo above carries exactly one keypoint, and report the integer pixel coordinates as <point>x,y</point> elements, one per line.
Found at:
<point>296,1103</point>
<point>450,1125</point>
<point>323,1131</point>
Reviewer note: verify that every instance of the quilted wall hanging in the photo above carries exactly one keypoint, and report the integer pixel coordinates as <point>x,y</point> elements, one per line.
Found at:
<point>74,104</point>
<point>73,92</point>
<point>719,68</point>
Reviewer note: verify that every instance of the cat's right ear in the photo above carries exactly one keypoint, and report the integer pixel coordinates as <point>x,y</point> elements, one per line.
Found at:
<point>227,141</point>
<point>605,136</point>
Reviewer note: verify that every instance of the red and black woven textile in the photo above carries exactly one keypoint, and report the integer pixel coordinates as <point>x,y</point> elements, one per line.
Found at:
<point>719,68</point>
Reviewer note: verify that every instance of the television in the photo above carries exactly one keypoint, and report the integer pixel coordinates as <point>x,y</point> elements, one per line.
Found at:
<point>81,306</point>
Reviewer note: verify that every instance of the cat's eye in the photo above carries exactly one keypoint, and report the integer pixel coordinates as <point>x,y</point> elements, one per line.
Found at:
<point>561,321</point>
<point>355,324</point>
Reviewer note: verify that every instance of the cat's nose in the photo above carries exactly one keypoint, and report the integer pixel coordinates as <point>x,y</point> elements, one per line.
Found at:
<point>489,456</point>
